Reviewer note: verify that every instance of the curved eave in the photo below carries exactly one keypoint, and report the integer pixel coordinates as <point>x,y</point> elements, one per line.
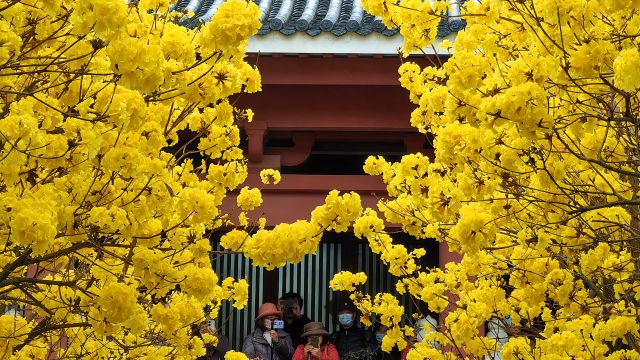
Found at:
<point>326,43</point>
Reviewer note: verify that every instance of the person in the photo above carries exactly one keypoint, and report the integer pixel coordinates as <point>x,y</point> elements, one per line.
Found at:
<point>423,327</point>
<point>351,341</point>
<point>379,332</point>
<point>266,342</point>
<point>317,344</point>
<point>213,352</point>
<point>290,305</point>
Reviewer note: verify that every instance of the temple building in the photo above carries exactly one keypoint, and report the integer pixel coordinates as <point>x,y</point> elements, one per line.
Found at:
<point>330,97</point>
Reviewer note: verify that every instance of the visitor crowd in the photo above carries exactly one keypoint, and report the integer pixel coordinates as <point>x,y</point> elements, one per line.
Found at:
<point>282,332</point>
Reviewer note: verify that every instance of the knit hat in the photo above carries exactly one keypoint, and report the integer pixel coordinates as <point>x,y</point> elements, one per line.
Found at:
<point>267,309</point>
<point>314,328</point>
<point>347,305</point>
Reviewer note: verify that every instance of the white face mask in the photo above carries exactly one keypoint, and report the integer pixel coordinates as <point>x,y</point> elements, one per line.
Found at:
<point>345,319</point>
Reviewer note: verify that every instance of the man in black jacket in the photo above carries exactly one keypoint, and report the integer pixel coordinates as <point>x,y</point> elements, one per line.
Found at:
<point>352,341</point>
<point>290,305</point>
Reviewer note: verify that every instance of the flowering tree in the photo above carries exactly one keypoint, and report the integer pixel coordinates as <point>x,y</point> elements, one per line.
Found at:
<point>535,181</point>
<point>103,241</point>
<point>103,231</point>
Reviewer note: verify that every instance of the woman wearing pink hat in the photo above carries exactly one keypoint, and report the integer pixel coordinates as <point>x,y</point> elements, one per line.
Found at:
<point>267,341</point>
<point>317,344</point>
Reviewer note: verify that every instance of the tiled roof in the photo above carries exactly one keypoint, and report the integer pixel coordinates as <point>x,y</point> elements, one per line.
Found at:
<point>313,17</point>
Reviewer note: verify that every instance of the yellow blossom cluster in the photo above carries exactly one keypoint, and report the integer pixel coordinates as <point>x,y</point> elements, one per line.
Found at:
<point>535,180</point>
<point>290,242</point>
<point>238,291</point>
<point>347,281</point>
<point>235,355</point>
<point>268,175</point>
<point>249,199</point>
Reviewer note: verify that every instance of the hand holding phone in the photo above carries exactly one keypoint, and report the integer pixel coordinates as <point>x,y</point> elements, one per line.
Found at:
<point>274,336</point>
<point>315,341</point>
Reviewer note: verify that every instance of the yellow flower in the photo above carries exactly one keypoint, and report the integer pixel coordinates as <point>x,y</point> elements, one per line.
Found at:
<point>10,41</point>
<point>338,211</point>
<point>234,21</point>
<point>13,331</point>
<point>625,69</point>
<point>267,174</point>
<point>234,355</point>
<point>199,282</point>
<point>368,224</point>
<point>234,240</point>
<point>238,291</point>
<point>117,302</point>
<point>347,281</point>
<point>249,199</point>
<point>209,339</point>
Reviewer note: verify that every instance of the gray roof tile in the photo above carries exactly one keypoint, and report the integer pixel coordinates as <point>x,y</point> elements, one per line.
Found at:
<point>313,17</point>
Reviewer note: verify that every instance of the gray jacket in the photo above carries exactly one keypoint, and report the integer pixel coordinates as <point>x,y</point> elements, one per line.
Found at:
<point>255,345</point>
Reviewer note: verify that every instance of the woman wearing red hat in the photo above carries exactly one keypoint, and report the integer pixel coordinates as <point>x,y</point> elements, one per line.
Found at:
<point>317,344</point>
<point>267,341</point>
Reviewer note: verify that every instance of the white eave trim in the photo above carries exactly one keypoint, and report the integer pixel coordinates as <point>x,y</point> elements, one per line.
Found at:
<point>326,43</point>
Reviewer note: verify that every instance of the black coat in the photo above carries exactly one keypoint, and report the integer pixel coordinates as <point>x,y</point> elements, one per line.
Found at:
<point>217,352</point>
<point>353,343</point>
<point>394,354</point>
<point>296,328</point>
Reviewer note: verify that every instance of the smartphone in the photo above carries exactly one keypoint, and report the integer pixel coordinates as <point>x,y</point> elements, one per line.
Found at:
<point>278,324</point>
<point>315,341</point>
<point>211,324</point>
